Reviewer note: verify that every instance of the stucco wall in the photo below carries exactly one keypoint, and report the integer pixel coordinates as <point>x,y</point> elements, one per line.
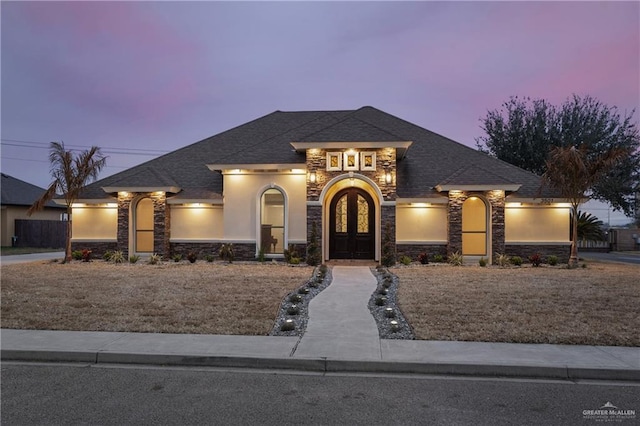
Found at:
<point>192,222</point>
<point>94,223</point>
<point>241,199</point>
<point>536,224</point>
<point>10,213</point>
<point>421,224</point>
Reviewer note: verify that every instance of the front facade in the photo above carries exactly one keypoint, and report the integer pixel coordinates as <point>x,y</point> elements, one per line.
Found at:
<point>353,176</point>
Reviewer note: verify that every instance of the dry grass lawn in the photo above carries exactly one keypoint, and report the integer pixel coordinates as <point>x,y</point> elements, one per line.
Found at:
<point>204,298</point>
<point>599,305</point>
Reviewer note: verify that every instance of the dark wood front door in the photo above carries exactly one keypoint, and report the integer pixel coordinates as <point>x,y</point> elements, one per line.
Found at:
<point>351,234</point>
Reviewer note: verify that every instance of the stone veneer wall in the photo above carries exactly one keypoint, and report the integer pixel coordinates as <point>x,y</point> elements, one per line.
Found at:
<point>124,207</point>
<point>161,221</point>
<point>496,199</point>
<point>413,250</point>
<point>524,251</point>
<point>97,248</point>
<point>241,251</point>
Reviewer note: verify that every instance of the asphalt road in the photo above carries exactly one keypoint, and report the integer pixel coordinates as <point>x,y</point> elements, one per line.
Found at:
<point>623,257</point>
<point>56,394</point>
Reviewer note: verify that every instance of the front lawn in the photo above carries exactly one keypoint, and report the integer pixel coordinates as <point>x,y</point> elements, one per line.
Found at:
<point>599,305</point>
<point>203,298</point>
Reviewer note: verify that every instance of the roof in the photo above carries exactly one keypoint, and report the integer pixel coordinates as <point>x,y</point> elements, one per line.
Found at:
<point>431,160</point>
<point>16,192</point>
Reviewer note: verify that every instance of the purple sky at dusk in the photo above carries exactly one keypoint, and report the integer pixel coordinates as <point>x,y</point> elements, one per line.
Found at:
<point>155,76</point>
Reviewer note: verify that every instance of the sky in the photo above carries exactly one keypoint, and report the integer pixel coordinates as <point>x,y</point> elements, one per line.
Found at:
<point>139,79</point>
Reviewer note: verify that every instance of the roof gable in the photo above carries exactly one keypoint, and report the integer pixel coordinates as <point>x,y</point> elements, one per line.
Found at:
<point>16,192</point>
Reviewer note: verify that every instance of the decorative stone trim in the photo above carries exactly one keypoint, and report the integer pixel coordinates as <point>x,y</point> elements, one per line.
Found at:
<point>524,251</point>
<point>97,248</point>
<point>413,250</point>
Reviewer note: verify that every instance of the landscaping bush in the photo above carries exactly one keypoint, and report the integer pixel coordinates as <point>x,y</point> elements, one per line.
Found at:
<point>86,255</point>
<point>438,258</point>
<point>134,258</point>
<point>405,260</point>
<point>192,257</point>
<point>535,260</point>
<point>177,257</point>
<point>502,260</point>
<point>117,257</point>
<point>423,258</point>
<point>154,259</point>
<point>76,255</point>
<point>456,259</point>
<point>482,262</point>
<point>552,260</point>
<point>107,255</point>
<point>226,252</point>
<point>516,260</point>
<point>209,258</point>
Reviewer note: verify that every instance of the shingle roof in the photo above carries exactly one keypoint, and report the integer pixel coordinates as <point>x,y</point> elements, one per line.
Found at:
<point>16,192</point>
<point>431,159</point>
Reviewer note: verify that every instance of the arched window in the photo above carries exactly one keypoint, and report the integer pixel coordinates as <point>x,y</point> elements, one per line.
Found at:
<point>474,227</point>
<point>144,226</point>
<point>272,222</point>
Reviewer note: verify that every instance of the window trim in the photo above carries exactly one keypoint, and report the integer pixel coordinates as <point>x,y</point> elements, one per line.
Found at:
<point>258,235</point>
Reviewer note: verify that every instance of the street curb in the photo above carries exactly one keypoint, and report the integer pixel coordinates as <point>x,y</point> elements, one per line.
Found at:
<point>322,365</point>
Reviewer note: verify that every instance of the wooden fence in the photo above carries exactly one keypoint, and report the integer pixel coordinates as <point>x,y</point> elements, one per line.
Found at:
<point>40,233</point>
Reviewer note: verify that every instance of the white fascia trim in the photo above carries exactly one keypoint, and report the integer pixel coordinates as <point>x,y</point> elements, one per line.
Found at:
<point>94,240</point>
<point>62,202</point>
<point>537,243</point>
<point>543,201</point>
<point>262,166</point>
<point>215,201</point>
<point>111,189</point>
<point>435,200</point>
<point>426,243</point>
<point>484,187</point>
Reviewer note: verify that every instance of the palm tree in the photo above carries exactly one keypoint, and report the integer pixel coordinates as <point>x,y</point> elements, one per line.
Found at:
<point>572,171</point>
<point>589,227</point>
<point>70,174</point>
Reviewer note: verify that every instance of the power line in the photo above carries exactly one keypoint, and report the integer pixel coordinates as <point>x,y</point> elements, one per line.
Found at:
<point>111,150</point>
<point>43,161</point>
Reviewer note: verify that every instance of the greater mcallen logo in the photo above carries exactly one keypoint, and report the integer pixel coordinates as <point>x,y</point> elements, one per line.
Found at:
<point>609,413</point>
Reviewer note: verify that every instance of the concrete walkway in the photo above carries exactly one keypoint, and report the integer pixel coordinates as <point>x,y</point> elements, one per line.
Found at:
<point>340,323</point>
<point>341,336</point>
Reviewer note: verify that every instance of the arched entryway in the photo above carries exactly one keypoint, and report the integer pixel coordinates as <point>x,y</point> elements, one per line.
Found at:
<point>143,222</point>
<point>352,225</point>
<point>475,227</point>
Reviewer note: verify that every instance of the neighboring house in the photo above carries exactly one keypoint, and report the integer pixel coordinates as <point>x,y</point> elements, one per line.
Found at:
<point>17,197</point>
<point>263,184</point>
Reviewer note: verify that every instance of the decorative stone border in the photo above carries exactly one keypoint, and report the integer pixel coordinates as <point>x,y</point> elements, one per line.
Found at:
<point>389,311</point>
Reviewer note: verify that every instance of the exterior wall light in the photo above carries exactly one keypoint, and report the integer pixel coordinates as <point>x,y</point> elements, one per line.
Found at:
<point>387,172</point>
<point>312,176</point>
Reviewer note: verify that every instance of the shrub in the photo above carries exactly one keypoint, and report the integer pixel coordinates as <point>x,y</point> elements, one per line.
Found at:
<point>516,260</point>
<point>482,262</point>
<point>76,255</point>
<point>192,257</point>
<point>154,259</point>
<point>535,260</point>
<point>552,260</point>
<point>177,257</point>
<point>134,258</point>
<point>423,258</point>
<point>209,258</point>
<point>107,255</point>
<point>456,259</point>
<point>313,251</point>
<point>294,261</point>
<point>118,256</point>
<point>388,247</point>
<point>405,260</point>
<point>261,256</point>
<point>226,252</point>
<point>502,260</point>
<point>86,255</point>
<point>438,258</point>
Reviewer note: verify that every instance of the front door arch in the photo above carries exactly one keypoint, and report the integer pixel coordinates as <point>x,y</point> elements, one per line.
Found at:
<point>352,225</point>
<point>475,229</point>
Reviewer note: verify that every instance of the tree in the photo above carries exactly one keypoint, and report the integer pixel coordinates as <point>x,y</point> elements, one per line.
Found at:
<point>589,227</point>
<point>70,174</point>
<point>524,130</point>
<point>572,171</point>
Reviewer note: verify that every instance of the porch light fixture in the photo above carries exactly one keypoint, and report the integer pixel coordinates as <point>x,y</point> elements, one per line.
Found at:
<point>312,176</point>
<point>387,172</point>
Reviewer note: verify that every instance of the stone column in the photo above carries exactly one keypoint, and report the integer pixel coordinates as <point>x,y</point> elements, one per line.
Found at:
<point>497,200</point>
<point>124,208</point>
<point>454,223</point>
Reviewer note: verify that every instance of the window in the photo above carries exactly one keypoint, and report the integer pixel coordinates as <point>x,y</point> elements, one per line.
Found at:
<point>272,222</point>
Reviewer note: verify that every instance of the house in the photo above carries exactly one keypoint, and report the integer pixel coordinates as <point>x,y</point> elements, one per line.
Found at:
<point>17,197</point>
<point>352,173</point>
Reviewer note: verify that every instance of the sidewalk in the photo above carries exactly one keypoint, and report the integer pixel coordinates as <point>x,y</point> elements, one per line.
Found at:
<point>32,257</point>
<point>341,336</point>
